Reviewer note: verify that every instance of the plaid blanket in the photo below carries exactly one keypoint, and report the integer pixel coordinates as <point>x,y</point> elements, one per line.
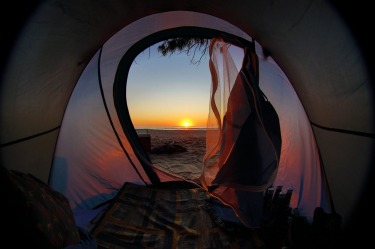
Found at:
<point>147,217</point>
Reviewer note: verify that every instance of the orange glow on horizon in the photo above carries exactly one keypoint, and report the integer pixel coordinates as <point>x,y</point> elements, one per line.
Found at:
<point>186,123</point>
<point>169,122</point>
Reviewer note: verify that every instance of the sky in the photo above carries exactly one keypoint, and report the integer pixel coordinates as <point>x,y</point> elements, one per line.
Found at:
<point>168,91</point>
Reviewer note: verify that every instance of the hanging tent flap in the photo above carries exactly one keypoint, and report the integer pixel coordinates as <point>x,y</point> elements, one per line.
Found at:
<point>243,163</point>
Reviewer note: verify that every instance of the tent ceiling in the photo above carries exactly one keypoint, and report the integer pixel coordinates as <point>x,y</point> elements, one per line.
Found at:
<point>68,40</point>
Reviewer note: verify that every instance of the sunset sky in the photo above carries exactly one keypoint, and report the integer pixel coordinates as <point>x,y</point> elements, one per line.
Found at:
<point>170,91</point>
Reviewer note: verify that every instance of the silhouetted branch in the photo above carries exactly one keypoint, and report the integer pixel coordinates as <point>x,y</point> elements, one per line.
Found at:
<point>187,45</point>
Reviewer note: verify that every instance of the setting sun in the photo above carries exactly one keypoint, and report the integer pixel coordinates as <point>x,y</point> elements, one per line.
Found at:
<point>186,123</point>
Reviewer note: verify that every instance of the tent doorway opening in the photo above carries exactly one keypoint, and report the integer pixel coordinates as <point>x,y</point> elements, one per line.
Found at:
<point>168,98</point>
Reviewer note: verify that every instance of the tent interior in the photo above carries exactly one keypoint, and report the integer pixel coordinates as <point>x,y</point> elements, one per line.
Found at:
<point>64,117</point>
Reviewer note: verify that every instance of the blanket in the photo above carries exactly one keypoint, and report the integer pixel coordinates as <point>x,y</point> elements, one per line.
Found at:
<point>160,218</point>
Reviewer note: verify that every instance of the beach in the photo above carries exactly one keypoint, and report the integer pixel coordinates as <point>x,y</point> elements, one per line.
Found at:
<point>187,164</point>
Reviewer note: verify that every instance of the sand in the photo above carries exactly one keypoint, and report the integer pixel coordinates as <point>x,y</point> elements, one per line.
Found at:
<point>187,164</point>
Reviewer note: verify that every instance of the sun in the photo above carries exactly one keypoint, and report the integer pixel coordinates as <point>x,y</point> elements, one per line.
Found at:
<point>186,123</point>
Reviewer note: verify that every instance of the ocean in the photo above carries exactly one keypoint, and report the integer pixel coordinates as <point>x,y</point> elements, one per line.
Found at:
<point>145,128</point>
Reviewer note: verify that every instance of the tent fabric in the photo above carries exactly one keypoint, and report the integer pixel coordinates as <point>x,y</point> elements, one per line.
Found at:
<point>249,131</point>
<point>301,172</point>
<point>322,65</point>
<point>97,158</point>
<point>299,156</point>
<point>249,141</point>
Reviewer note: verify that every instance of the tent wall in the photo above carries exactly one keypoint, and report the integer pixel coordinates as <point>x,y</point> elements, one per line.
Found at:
<point>308,40</point>
<point>33,155</point>
<point>350,160</point>
<point>89,163</point>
